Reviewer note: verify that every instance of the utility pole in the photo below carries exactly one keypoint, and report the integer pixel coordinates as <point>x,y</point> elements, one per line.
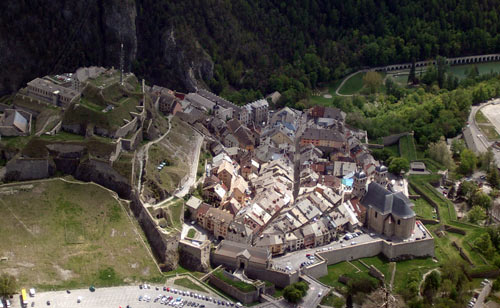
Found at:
<point>121,65</point>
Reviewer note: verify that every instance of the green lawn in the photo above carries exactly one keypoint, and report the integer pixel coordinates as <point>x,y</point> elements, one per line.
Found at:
<point>176,210</point>
<point>66,235</point>
<point>481,118</point>
<point>187,283</point>
<point>63,136</point>
<point>353,85</point>
<point>320,99</point>
<point>191,233</point>
<point>423,209</point>
<point>484,68</point>
<point>394,149</point>
<point>407,148</point>
<point>489,131</point>
<point>343,268</point>
<point>401,79</point>
<point>242,286</point>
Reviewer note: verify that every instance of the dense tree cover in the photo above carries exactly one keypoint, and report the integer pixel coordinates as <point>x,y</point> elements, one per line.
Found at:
<point>427,110</point>
<point>439,152</point>
<point>290,46</point>
<point>448,287</point>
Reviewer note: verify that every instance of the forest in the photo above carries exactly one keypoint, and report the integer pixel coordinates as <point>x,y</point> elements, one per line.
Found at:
<point>261,46</point>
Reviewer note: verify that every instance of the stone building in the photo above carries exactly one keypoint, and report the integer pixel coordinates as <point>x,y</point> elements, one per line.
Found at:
<point>214,220</point>
<point>52,93</point>
<point>241,256</point>
<point>327,140</point>
<point>388,213</point>
<point>359,185</point>
<point>381,175</point>
<point>258,111</point>
<point>15,123</point>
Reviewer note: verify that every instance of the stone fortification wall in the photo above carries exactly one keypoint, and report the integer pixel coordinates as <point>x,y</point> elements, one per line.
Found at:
<point>393,139</point>
<point>73,128</point>
<point>392,251</point>
<point>102,173</point>
<point>116,153</point>
<point>164,246</point>
<point>132,143</point>
<point>126,129</point>
<point>316,270</point>
<point>194,257</point>
<point>245,298</point>
<point>23,169</point>
<point>9,131</point>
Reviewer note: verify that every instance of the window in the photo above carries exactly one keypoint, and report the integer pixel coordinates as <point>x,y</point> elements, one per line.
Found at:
<point>375,214</point>
<point>399,221</point>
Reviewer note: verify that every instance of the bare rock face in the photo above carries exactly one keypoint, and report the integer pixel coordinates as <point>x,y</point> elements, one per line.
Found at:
<point>186,57</point>
<point>50,37</point>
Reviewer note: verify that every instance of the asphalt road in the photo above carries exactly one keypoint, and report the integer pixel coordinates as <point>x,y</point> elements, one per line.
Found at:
<point>481,143</point>
<point>109,298</point>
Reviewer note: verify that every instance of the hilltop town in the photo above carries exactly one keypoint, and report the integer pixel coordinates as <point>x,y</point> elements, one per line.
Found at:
<point>261,195</point>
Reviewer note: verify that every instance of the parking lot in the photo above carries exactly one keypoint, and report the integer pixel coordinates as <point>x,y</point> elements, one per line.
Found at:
<point>123,296</point>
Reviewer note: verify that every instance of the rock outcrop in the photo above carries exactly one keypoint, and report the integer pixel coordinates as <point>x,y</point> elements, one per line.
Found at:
<point>53,37</point>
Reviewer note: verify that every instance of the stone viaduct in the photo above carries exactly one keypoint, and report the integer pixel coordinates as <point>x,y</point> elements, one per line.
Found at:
<point>450,61</point>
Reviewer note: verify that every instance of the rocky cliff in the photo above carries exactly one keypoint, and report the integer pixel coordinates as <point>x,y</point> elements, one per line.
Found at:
<point>48,37</point>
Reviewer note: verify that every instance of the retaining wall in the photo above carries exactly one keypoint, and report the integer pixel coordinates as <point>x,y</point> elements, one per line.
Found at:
<point>393,251</point>
<point>245,298</point>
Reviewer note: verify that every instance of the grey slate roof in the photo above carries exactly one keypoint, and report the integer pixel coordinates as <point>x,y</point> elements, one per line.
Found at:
<point>384,201</point>
<point>323,134</point>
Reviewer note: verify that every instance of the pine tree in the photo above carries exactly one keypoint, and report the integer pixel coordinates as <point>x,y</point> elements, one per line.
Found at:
<point>411,77</point>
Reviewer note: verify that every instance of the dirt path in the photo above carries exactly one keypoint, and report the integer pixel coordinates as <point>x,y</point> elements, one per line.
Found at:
<point>142,156</point>
<point>392,276</point>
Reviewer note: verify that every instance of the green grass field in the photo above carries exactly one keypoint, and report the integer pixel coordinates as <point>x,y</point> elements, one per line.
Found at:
<point>489,131</point>
<point>187,283</point>
<point>242,286</point>
<point>407,148</point>
<point>484,68</point>
<point>320,99</point>
<point>353,85</point>
<point>59,235</point>
<point>481,118</point>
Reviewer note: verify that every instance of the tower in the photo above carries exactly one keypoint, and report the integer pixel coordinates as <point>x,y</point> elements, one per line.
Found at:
<point>381,175</point>
<point>359,185</point>
<point>121,64</point>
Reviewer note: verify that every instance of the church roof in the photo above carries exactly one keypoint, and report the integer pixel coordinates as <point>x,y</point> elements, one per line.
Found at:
<point>384,201</point>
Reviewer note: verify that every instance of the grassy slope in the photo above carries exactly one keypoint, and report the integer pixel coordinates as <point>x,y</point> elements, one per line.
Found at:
<point>353,84</point>
<point>173,148</point>
<point>187,283</point>
<point>407,147</point>
<point>62,235</point>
